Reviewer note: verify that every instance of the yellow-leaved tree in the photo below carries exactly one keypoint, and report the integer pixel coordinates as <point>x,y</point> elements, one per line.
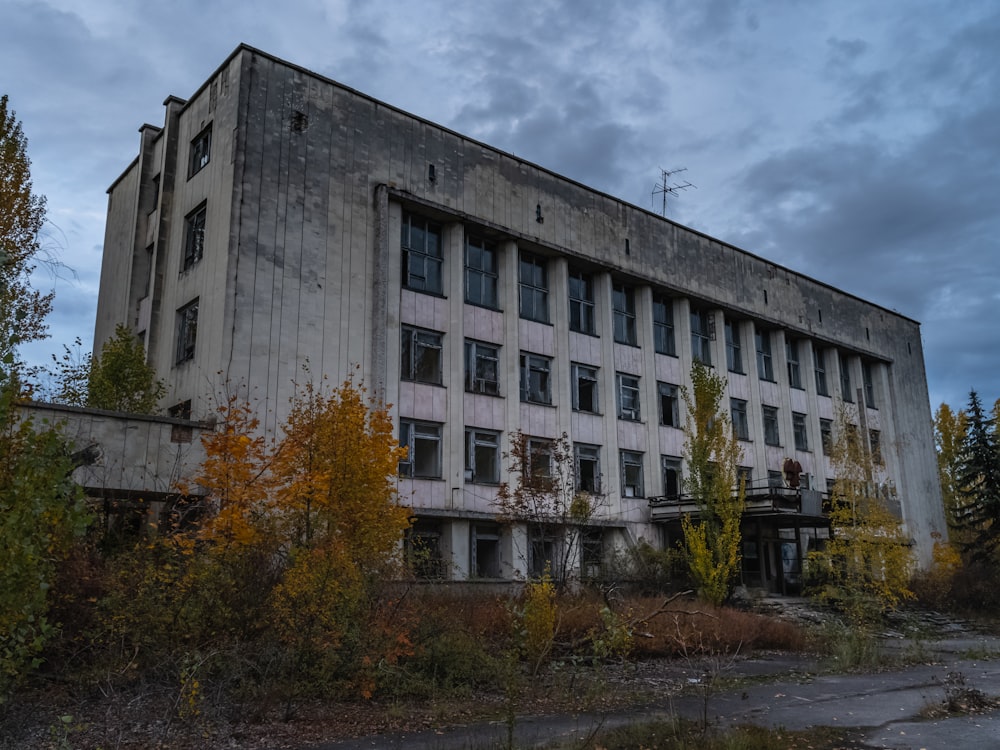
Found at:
<point>335,471</point>
<point>866,565</point>
<point>712,541</point>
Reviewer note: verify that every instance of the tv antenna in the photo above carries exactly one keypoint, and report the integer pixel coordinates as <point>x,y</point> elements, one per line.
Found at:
<point>664,188</point>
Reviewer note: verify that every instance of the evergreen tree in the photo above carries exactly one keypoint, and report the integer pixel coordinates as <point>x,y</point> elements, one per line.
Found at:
<point>978,512</point>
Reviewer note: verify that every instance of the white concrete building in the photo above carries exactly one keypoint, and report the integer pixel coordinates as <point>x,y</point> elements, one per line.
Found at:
<point>278,218</point>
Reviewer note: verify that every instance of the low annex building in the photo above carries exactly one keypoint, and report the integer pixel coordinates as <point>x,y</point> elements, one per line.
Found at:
<point>278,218</point>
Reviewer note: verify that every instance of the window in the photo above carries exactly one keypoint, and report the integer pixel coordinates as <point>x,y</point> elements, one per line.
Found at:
<point>422,545</point>
<point>539,458</point>
<point>669,404</point>
<point>744,475</point>
<point>771,434</point>
<point>581,303</point>
<point>819,364</point>
<point>482,370</point>
<point>588,468</point>
<point>875,442</point>
<point>741,425</point>
<point>845,379</point>
<point>663,326</point>
<point>799,431</point>
<point>628,397</point>
<point>792,360</point>
<point>423,443</point>
<point>482,456</point>
<point>826,435</point>
<point>534,288</point>
<point>775,478</point>
<point>194,236</point>
<point>187,331</point>
<point>631,474</point>
<point>485,551</point>
<point>421,355</point>
<point>869,384</point>
<point>765,367</point>
<point>701,336</point>
<point>623,301</point>
<point>201,151</point>
<point>481,279</point>
<point>671,468</point>
<point>734,347</point>
<point>584,388</point>
<point>421,244</point>
<point>536,386</point>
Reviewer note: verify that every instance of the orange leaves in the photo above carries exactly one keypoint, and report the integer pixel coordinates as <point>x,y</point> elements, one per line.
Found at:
<point>335,475</point>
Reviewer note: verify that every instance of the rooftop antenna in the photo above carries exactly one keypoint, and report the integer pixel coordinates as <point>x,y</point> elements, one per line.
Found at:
<point>664,188</point>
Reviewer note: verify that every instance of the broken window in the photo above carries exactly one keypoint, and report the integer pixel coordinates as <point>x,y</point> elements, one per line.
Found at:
<point>423,443</point>
<point>421,246</point>
<point>421,355</point>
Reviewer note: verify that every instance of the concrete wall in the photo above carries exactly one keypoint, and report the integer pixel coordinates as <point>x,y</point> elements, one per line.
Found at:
<point>305,190</point>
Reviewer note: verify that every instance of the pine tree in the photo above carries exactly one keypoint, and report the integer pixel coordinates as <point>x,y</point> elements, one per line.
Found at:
<point>978,512</point>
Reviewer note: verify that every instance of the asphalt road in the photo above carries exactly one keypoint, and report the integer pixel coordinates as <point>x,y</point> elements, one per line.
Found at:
<point>888,705</point>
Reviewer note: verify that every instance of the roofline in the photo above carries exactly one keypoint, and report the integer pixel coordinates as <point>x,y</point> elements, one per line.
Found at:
<point>243,47</point>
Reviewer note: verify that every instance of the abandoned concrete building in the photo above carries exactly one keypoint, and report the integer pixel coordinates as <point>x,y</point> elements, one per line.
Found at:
<point>278,218</point>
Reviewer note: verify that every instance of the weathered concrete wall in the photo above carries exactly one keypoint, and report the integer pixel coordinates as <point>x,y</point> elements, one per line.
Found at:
<point>139,455</point>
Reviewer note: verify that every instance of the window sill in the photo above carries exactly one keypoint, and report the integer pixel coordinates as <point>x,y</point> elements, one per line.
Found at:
<point>439,295</point>
<point>483,393</point>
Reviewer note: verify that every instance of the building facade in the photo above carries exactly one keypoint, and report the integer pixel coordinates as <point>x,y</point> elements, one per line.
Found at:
<point>278,220</point>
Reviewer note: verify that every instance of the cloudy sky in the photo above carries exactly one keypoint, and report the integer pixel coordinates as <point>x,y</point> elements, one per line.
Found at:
<point>855,141</point>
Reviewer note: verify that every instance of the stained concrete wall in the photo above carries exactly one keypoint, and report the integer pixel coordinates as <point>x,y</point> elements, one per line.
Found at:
<point>305,191</point>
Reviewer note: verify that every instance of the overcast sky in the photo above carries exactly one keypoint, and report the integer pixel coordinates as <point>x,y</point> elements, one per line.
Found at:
<point>855,141</point>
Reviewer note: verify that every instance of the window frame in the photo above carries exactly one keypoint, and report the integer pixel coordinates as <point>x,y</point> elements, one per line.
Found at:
<point>740,419</point>
<point>194,236</point>
<point>415,340</point>
<point>476,352</point>
<point>408,428</point>
<point>672,464</point>
<point>765,354</point>
<point>487,279</point>
<point>623,319</point>
<point>187,332</point>
<point>845,378</point>
<point>826,435</point>
<point>533,287</point>
<point>702,335</point>
<point>200,151</point>
<point>800,431</point>
<point>580,373</point>
<point>770,423</point>
<point>582,309</point>
<point>425,283</point>
<point>664,341</point>
<point>594,457</point>
<point>668,394</point>
<point>533,363</point>
<point>734,347</point>
<point>819,369</point>
<point>792,363</point>
<point>868,383</point>
<point>629,397</point>
<point>631,459</point>
<point>475,439</point>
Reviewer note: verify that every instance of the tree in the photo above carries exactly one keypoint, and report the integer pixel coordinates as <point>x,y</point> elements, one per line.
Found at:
<point>978,477</point>
<point>22,213</point>
<point>120,379</point>
<point>712,541</point>
<point>866,564</point>
<point>545,499</point>
<point>949,435</point>
<point>41,509</point>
